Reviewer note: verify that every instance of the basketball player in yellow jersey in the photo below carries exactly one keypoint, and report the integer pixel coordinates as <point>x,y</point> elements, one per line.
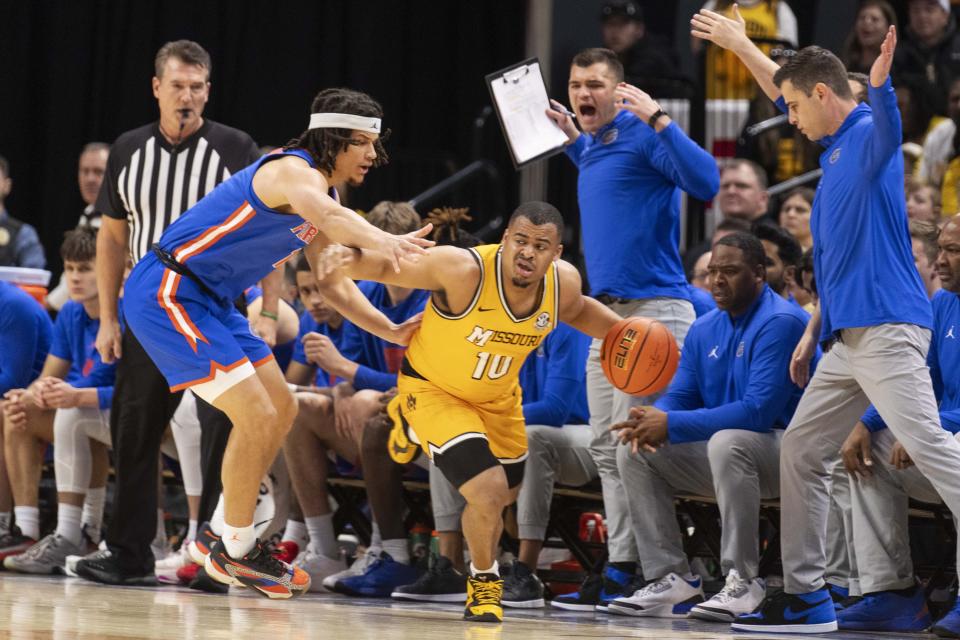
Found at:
<point>459,396</point>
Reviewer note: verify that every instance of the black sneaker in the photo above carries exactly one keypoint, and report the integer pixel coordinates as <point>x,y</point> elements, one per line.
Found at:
<point>783,612</point>
<point>441,583</point>
<point>105,568</point>
<point>203,582</point>
<point>522,588</point>
<point>597,592</point>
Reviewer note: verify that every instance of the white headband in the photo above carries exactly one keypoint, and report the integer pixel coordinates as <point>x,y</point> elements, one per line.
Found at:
<point>344,121</point>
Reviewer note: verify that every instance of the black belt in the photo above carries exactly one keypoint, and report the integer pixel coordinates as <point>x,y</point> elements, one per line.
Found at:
<point>407,369</point>
<point>177,267</point>
<point>607,299</point>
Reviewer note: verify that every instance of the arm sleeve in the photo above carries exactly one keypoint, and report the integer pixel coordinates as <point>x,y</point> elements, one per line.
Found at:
<point>887,127</point>
<point>367,378</point>
<point>565,378</point>
<point>29,251</point>
<point>685,163</point>
<point>574,150</point>
<point>683,394</point>
<point>109,202</point>
<point>767,391</point>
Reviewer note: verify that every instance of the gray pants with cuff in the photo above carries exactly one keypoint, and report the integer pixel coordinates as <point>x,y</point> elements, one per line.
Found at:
<point>609,406</point>
<point>880,518</point>
<point>886,365</point>
<point>736,466</point>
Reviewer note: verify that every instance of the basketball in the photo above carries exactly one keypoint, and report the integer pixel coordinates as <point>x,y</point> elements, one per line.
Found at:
<point>639,356</point>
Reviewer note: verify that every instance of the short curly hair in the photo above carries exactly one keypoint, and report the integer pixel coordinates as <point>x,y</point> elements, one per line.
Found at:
<point>324,145</point>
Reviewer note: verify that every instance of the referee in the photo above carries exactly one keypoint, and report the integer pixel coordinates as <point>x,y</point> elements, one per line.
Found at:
<point>154,174</point>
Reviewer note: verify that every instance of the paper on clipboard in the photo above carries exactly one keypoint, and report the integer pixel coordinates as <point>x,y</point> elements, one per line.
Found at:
<point>520,97</point>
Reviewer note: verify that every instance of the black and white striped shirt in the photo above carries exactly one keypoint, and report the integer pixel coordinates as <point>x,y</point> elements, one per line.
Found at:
<point>150,182</point>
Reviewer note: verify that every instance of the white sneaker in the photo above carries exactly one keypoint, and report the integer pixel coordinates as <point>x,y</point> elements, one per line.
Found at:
<point>166,569</point>
<point>669,597</point>
<point>358,568</point>
<point>319,567</point>
<point>737,596</point>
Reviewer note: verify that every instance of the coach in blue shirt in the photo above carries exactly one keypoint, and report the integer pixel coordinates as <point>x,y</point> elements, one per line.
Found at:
<point>723,416</point>
<point>633,161</point>
<point>871,300</point>
<point>873,451</point>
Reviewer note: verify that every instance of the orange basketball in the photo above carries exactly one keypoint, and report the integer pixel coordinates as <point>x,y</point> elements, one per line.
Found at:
<point>639,356</point>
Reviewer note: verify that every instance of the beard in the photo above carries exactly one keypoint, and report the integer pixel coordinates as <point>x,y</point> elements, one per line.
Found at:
<point>517,282</point>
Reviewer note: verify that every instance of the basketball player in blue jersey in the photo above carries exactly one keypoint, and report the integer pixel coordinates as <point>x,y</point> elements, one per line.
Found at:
<point>178,304</point>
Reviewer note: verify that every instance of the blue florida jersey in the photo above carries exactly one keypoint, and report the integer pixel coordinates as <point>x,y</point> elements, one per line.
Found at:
<point>379,361</point>
<point>231,240</point>
<point>309,325</point>
<point>74,339</point>
<point>553,379</point>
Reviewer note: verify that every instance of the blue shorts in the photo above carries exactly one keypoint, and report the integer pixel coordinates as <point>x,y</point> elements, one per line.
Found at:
<point>196,341</point>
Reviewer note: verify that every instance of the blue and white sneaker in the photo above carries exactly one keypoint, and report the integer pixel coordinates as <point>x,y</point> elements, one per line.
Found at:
<point>596,592</point>
<point>903,611</point>
<point>949,625</point>
<point>737,596</point>
<point>380,579</point>
<point>791,613</point>
<point>669,597</point>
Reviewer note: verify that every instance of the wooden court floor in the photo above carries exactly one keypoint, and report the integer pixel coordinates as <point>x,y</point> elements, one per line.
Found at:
<point>73,609</point>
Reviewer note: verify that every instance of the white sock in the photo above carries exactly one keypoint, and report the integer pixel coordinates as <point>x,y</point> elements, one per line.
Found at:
<point>322,538</point>
<point>376,542</point>
<point>68,522</point>
<point>495,569</point>
<point>28,519</point>
<point>216,520</point>
<point>192,530</point>
<point>92,515</point>
<point>6,519</point>
<point>296,532</point>
<point>238,540</point>
<point>397,549</point>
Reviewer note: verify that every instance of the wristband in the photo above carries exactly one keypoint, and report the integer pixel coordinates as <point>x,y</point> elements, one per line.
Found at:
<point>269,314</point>
<point>659,113</point>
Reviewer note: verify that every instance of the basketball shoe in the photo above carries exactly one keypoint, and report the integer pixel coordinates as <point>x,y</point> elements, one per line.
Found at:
<point>358,568</point>
<point>784,612</point>
<point>949,625</point>
<point>484,593</point>
<point>200,546</point>
<point>14,542</point>
<point>737,596</point>
<point>904,611</point>
<point>257,570</point>
<point>317,566</point>
<point>597,592</point>
<point>441,583</point>
<point>522,588</point>
<point>669,597</point>
<point>45,557</point>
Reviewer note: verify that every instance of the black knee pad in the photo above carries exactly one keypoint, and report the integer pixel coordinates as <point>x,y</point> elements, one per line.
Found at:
<point>471,457</point>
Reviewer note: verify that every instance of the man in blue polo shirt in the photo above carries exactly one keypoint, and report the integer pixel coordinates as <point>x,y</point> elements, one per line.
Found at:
<point>716,432</point>
<point>884,478</point>
<point>633,162</point>
<point>871,300</point>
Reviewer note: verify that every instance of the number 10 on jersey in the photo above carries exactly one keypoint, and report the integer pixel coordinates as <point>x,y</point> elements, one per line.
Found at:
<point>495,365</point>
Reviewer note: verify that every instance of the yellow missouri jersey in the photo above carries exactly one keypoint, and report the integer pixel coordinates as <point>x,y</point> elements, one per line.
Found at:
<point>727,77</point>
<point>476,355</point>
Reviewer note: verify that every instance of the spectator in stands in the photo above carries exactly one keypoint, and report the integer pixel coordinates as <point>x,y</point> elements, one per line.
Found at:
<point>930,51</point>
<point>939,148</point>
<point>724,228</point>
<point>795,215</point>
<point>714,438</point>
<point>365,367</point>
<point>649,61</point>
<point>884,478</point>
<point>25,336</point>
<point>19,244</point>
<point>916,111</point>
<point>923,238</point>
<point>783,257</point>
<point>68,406</point>
<point>743,190</point>
<point>769,22</point>
<point>923,201</point>
<point>698,277</point>
<point>862,47</point>
<point>630,151</point>
<point>858,86</point>
<point>90,170</point>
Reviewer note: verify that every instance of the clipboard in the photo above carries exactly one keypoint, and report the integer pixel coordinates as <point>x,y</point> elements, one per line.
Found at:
<point>519,96</point>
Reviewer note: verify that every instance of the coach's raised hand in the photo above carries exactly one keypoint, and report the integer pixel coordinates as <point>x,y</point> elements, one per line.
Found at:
<point>880,70</point>
<point>639,103</point>
<point>722,31</point>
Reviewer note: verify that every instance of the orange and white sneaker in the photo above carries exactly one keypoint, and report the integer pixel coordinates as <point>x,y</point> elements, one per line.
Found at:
<point>258,570</point>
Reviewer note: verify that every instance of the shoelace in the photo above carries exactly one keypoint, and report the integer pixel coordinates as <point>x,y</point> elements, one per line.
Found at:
<point>654,587</point>
<point>262,560</point>
<point>487,592</point>
<point>733,588</point>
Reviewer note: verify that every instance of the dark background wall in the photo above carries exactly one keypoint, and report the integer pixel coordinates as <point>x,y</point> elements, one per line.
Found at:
<point>75,71</point>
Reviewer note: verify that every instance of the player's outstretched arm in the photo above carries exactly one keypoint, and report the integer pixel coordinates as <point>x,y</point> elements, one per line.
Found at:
<point>579,311</point>
<point>731,34</point>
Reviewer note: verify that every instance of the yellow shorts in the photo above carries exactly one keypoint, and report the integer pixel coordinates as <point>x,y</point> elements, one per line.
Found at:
<point>437,421</point>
